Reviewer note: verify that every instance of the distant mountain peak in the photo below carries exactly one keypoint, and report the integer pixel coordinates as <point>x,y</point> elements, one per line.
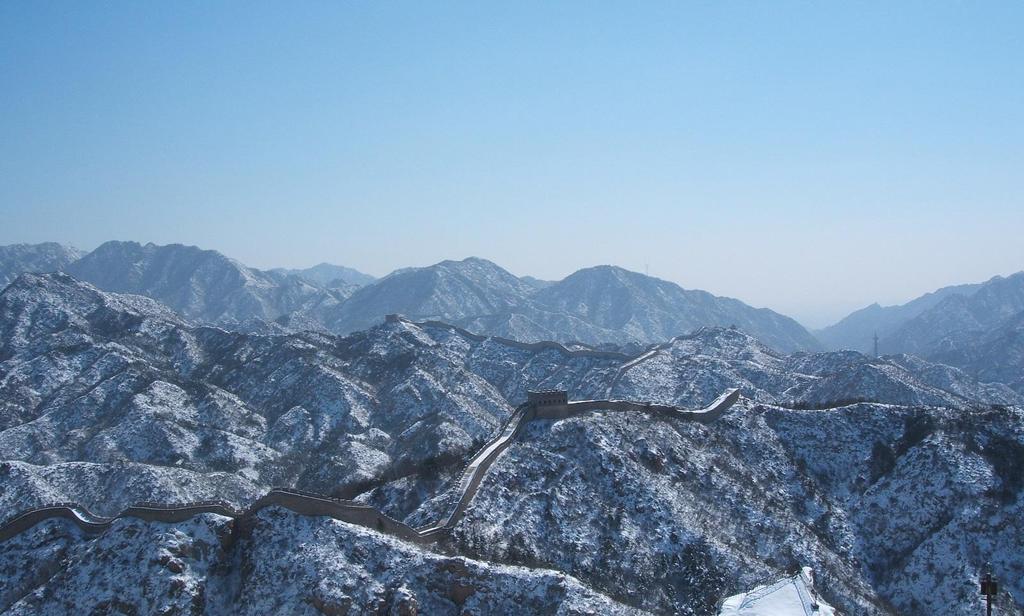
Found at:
<point>201,284</point>
<point>328,275</point>
<point>644,308</point>
<point>468,264</point>
<point>471,259</point>
<point>609,270</point>
<point>46,257</point>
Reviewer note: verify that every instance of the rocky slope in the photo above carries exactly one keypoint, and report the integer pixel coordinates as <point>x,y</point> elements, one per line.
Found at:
<point>35,258</point>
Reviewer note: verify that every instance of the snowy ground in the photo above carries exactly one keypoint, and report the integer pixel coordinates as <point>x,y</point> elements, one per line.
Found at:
<point>790,596</point>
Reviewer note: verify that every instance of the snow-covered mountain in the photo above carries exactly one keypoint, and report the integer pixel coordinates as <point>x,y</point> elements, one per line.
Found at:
<point>601,305</point>
<point>598,305</point>
<point>896,507</point>
<point>648,309</point>
<point>107,399</point>
<point>960,319</point>
<point>330,275</point>
<point>103,390</point>
<point>202,285</point>
<point>978,328</point>
<point>449,290</point>
<point>17,259</point>
<point>857,330</point>
<point>995,355</point>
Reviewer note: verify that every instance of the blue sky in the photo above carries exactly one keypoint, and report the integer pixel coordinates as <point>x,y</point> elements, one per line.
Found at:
<point>808,157</point>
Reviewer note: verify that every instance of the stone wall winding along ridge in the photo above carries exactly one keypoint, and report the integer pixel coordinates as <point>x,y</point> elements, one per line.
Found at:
<point>307,503</point>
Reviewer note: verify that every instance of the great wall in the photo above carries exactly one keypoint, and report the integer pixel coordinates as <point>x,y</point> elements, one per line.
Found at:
<point>540,406</point>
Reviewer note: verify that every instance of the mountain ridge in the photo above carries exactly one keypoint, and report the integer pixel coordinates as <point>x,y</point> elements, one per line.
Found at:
<point>202,285</point>
<point>599,305</point>
<point>208,287</point>
<point>856,330</point>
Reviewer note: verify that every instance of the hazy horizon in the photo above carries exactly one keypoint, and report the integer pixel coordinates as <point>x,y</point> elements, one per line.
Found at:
<point>812,160</point>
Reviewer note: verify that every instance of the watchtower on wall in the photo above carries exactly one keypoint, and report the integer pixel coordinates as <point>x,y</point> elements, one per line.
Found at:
<point>548,397</point>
